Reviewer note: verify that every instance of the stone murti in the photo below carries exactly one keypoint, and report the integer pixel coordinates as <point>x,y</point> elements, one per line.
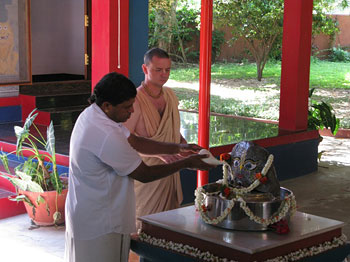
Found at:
<point>247,160</point>
<point>249,196</point>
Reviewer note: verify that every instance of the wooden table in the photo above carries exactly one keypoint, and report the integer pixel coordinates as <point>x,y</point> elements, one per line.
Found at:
<point>185,226</point>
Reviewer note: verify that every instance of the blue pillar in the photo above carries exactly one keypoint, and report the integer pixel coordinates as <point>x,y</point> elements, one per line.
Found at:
<point>138,38</point>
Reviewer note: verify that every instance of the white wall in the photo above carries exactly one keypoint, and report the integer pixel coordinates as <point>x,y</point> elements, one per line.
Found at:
<point>57,32</point>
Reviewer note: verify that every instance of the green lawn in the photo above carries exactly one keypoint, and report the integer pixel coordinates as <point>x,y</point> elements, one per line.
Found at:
<point>324,75</point>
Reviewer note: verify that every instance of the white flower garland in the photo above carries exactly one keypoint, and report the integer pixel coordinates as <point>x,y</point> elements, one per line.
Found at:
<point>199,204</point>
<point>288,204</point>
<point>207,256</point>
<point>267,165</point>
<point>181,248</point>
<point>227,169</point>
<point>311,251</point>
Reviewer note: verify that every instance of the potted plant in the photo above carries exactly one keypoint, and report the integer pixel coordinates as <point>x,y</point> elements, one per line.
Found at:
<point>321,115</point>
<point>37,181</point>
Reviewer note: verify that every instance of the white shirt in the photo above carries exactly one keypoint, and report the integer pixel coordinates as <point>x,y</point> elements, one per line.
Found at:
<point>101,196</point>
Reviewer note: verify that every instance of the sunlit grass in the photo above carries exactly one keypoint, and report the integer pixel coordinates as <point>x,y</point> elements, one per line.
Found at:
<point>323,74</point>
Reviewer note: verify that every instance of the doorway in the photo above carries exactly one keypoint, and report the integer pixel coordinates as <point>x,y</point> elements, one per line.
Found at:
<point>61,40</point>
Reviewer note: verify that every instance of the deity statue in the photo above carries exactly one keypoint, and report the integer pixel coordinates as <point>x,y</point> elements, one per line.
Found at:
<point>247,163</point>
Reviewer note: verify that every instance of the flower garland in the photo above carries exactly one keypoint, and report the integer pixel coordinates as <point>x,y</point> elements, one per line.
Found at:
<point>207,256</point>
<point>288,204</point>
<point>181,248</point>
<point>226,170</point>
<point>202,208</point>
<point>260,177</point>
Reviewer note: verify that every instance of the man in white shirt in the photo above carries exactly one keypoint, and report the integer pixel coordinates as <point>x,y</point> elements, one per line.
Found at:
<point>100,206</point>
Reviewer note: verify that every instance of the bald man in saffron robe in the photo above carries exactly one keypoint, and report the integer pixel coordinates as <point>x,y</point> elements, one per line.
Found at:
<point>156,116</point>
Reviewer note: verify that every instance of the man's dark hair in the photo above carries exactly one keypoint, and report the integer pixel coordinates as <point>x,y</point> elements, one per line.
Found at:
<point>113,88</point>
<point>158,52</point>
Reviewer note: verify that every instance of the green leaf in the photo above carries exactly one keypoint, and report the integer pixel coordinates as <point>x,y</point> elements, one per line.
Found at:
<point>23,176</point>
<point>26,184</point>
<point>311,91</point>
<point>34,187</point>
<point>19,183</point>
<point>19,198</point>
<point>50,144</point>
<point>29,120</point>
<point>27,200</point>
<point>5,162</point>
<point>40,200</point>
<point>6,177</point>
<point>21,135</point>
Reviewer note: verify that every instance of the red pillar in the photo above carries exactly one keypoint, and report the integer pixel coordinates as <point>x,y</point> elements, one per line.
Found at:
<point>109,37</point>
<point>204,81</point>
<point>296,52</point>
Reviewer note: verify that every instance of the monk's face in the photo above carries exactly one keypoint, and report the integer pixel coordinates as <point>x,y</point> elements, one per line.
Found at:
<point>157,71</point>
<point>119,113</point>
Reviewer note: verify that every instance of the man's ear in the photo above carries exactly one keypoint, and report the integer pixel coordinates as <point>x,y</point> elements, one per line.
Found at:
<point>105,106</point>
<point>144,69</point>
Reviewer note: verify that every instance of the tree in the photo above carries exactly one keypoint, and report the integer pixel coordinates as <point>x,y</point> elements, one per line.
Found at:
<point>260,23</point>
<point>165,24</point>
<point>179,37</point>
<point>164,11</point>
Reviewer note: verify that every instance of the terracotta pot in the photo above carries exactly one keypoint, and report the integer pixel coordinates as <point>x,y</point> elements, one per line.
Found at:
<point>42,214</point>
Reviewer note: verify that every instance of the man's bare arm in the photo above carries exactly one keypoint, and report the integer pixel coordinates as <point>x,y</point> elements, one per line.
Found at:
<point>148,146</point>
<point>145,174</point>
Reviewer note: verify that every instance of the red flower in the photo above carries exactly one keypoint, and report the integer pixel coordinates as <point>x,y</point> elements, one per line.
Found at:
<point>263,180</point>
<point>280,227</point>
<point>227,192</point>
<point>225,156</point>
<point>258,175</point>
<point>204,208</point>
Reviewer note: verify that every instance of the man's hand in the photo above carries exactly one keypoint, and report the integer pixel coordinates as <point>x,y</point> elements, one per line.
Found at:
<point>187,149</point>
<point>145,174</point>
<point>196,162</point>
<point>172,158</point>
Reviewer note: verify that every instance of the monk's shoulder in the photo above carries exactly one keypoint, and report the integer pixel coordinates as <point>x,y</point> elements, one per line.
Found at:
<point>169,91</point>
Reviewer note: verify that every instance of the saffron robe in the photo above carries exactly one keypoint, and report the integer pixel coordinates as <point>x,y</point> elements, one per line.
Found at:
<point>166,193</point>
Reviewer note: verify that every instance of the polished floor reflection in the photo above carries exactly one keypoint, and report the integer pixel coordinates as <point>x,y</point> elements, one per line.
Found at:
<point>223,131</point>
<point>226,130</point>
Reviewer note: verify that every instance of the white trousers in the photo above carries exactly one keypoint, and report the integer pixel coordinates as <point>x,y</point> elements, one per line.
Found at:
<point>112,247</point>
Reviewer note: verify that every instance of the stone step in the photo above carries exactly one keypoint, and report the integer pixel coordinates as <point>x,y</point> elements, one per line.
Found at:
<point>44,89</point>
<point>56,77</point>
<point>61,101</point>
<point>64,116</point>
<point>64,100</point>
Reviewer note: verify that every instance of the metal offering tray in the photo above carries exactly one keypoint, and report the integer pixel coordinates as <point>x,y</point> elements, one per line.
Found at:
<point>262,205</point>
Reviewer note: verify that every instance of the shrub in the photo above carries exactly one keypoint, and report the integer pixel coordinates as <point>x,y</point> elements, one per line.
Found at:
<point>339,55</point>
